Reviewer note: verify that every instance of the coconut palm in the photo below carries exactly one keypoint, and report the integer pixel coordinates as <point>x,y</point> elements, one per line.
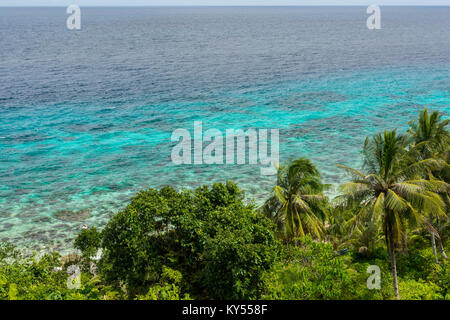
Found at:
<point>429,135</point>
<point>430,139</point>
<point>391,191</point>
<point>297,204</point>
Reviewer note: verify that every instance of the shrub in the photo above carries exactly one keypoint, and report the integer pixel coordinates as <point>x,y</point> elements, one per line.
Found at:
<point>441,277</point>
<point>416,264</point>
<point>418,290</point>
<point>30,278</point>
<point>168,289</point>
<point>308,272</point>
<point>43,278</point>
<point>359,276</point>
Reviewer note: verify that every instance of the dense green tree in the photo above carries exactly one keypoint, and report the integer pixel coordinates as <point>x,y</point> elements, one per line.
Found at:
<point>88,242</point>
<point>220,245</point>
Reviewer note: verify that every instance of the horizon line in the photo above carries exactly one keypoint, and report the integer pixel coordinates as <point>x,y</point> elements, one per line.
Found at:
<point>223,6</point>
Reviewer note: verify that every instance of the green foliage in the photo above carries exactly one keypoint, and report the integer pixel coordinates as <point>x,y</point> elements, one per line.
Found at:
<point>358,267</point>
<point>419,290</point>
<point>29,278</point>
<point>309,272</point>
<point>168,289</point>
<point>416,264</point>
<point>161,292</point>
<point>43,278</point>
<point>236,257</point>
<point>441,277</point>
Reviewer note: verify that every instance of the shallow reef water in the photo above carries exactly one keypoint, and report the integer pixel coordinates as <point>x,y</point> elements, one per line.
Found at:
<point>86,117</point>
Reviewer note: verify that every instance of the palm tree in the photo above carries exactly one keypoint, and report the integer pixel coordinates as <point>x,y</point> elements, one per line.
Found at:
<point>391,191</point>
<point>430,139</point>
<point>444,175</point>
<point>297,204</point>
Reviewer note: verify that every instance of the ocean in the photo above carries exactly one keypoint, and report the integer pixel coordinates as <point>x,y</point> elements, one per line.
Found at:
<point>86,116</point>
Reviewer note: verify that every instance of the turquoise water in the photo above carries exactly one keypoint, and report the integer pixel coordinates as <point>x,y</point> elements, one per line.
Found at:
<point>88,140</point>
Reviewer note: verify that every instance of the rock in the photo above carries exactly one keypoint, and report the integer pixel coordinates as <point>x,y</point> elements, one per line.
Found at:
<point>363,250</point>
<point>70,259</point>
<point>70,216</point>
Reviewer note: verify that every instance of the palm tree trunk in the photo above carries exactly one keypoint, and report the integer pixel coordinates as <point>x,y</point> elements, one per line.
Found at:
<point>433,245</point>
<point>393,261</point>
<point>433,241</point>
<point>394,273</point>
<point>441,246</point>
<point>405,244</point>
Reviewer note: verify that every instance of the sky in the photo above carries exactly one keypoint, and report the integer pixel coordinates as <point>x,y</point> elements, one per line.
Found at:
<point>216,2</point>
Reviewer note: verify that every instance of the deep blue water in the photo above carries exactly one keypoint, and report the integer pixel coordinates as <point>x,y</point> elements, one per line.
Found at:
<point>86,116</point>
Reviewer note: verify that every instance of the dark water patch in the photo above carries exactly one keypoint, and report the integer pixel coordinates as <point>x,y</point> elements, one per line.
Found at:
<point>7,226</point>
<point>61,226</point>
<point>25,138</point>
<point>36,237</point>
<point>18,192</point>
<point>83,128</point>
<point>69,138</point>
<point>71,216</point>
<point>42,219</point>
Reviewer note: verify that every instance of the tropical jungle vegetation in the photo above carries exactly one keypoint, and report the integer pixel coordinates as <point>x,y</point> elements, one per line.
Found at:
<point>209,243</point>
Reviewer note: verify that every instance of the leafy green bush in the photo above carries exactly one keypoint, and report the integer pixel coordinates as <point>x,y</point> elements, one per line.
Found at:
<point>441,277</point>
<point>359,276</point>
<point>30,278</point>
<point>416,264</point>
<point>418,290</point>
<point>43,278</point>
<point>308,272</point>
<point>168,289</point>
